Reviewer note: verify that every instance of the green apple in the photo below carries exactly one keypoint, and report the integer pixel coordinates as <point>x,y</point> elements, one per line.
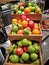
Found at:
<point>30,4</point>
<point>29,43</point>
<point>15,5</point>
<point>34,5</point>
<point>15,28</point>
<point>37,61</point>
<point>31,49</point>
<point>33,9</point>
<point>25,56</point>
<point>19,44</point>
<point>36,47</point>
<point>24,42</point>
<point>14,51</point>
<point>33,56</point>
<point>22,12</point>
<point>10,49</point>
<point>30,7</point>
<point>15,8</point>
<point>30,32</point>
<point>22,8</point>
<point>26,31</point>
<point>14,58</point>
<point>13,32</point>
<point>18,12</point>
<point>21,61</point>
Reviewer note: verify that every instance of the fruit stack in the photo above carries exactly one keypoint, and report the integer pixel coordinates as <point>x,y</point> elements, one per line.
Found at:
<point>24,52</point>
<point>24,29</point>
<point>24,26</point>
<point>26,7</point>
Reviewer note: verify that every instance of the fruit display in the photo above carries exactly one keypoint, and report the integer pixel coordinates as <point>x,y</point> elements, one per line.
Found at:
<point>24,51</point>
<point>26,7</point>
<point>24,25</point>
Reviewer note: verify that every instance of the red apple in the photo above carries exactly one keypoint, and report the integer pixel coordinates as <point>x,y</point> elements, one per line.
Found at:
<point>25,49</point>
<point>31,24</point>
<point>29,28</point>
<point>23,17</point>
<point>19,51</point>
<point>28,19</point>
<point>20,4</point>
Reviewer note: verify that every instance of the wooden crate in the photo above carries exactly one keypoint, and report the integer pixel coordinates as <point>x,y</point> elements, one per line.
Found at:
<point>9,63</point>
<point>35,17</point>
<point>37,37</point>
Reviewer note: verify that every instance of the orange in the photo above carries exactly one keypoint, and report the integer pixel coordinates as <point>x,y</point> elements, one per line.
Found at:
<point>36,26</point>
<point>20,22</point>
<point>20,32</point>
<point>14,20</point>
<point>27,10</point>
<point>36,31</point>
<point>24,23</point>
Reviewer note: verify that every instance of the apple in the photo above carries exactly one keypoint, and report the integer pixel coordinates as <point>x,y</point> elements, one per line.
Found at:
<point>33,9</point>
<point>20,4</point>
<point>19,51</point>
<point>25,49</point>
<point>31,24</point>
<point>29,28</point>
<point>18,12</point>
<point>28,19</point>
<point>23,17</point>
<point>22,8</point>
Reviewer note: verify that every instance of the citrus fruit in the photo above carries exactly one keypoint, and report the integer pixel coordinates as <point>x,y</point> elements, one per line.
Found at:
<point>20,32</point>
<point>27,10</point>
<point>36,26</point>
<point>24,23</point>
<point>36,31</point>
<point>14,20</point>
<point>20,21</point>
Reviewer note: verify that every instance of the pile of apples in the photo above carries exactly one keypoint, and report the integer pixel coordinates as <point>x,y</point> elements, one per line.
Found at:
<point>26,7</point>
<point>24,26</point>
<point>24,51</point>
